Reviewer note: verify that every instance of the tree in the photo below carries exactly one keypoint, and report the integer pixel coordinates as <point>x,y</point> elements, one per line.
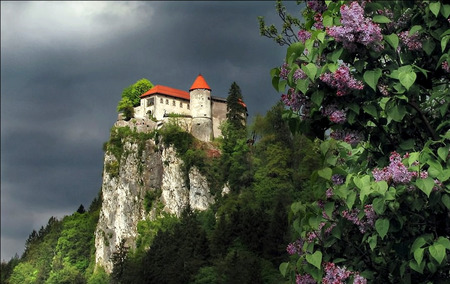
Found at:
<point>371,81</point>
<point>131,97</point>
<point>236,112</point>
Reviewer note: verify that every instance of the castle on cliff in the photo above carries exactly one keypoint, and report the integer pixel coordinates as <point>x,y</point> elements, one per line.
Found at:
<point>199,110</point>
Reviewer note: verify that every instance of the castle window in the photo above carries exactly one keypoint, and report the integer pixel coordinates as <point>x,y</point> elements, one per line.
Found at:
<point>173,103</point>
<point>188,106</point>
<point>181,104</point>
<point>161,100</point>
<point>167,101</point>
<point>150,102</point>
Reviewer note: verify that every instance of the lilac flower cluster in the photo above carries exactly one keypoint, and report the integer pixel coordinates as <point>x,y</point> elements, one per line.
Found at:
<point>350,137</point>
<point>299,74</point>
<point>317,6</point>
<point>296,101</point>
<point>318,19</point>
<point>335,274</point>
<point>284,71</point>
<point>446,66</point>
<point>304,279</point>
<point>411,41</point>
<point>400,23</point>
<point>342,80</point>
<point>365,223</point>
<point>383,89</point>
<point>337,179</point>
<point>335,115</point>
<point>356,29</point>
<point>312,236</point>
<point>295,247</point>
<point>303,35</point>
<point>329,193</point>
<point>396,171</point>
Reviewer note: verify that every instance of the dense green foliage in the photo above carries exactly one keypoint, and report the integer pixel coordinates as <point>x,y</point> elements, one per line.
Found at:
<point>61,252</point>
<point>371,81</point>
<point>131,97</point>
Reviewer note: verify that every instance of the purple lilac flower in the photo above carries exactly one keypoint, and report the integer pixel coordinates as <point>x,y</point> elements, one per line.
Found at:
<point>383,89</point>
<point>335,115</point>
<point>342,80</point>
<point>304,279</point>
<point>318,21</point>
<point>337,179</point>
<point>396,171</point>
<point>370,215</point>
<point>299,74</point>
<point>329,192</point>
<point>284,71</point>
<point>350,137</point>
<point>356,29</point>
<point>358,279</point>
<point>317,6</point>
<point>295,247</point>
<point>446,66</point>
<point>303,35</point>
<point>335,274</point>
<point>296,101</point>
<point>411,41</point>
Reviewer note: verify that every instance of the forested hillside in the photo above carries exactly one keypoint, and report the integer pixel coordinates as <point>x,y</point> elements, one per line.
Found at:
<point>241,239</point>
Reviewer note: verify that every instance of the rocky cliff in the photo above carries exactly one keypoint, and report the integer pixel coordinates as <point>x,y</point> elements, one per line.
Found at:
<point>142,167</point>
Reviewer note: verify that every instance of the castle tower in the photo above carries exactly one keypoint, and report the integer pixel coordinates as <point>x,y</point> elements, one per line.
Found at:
<point>200,96</point>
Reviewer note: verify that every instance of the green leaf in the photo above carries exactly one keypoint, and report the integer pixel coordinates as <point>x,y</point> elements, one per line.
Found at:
<point>445,11</point>
<point>282,85</point>
<point>317,97</point>
<point>351,199</point>
<point>417,267</point>
<point>325,173</point>
<point>418,255</point>
<point>336,54</point>
<point>437,251</point>
<point>310,70</point>
<point>315,259</point>
<point>445,242</point>
<point>418,243</point>
<point>329,208</point>
<point>392,39</point>
<point>371,77</point>
<point>372,240</point>
<point>371,109</point>
<point>302,85</point>
<point>407,79</point>
<point>321,36</point>
<point>446,200</point>
<point>428,46</point>
<point>435,7</point>
<point>296,48</point>
<point>380,19</point>
<point>396,112</point>
<point>414,29</point>
<point>444,42</point>
<point>426,185</point>
<point>327,21</point>
<point>443,152</point>
<point>407,144</point>
<point>283,268</point>
<point>382,227</point>
<point>378,205</point>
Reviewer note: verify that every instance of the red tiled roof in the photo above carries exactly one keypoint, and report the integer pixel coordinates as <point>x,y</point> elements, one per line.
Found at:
<point>200,83</point>
<point>242,103</point>
<point>163,90</point>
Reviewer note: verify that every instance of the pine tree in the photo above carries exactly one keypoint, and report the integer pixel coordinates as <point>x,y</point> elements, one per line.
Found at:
<point>236,111</point>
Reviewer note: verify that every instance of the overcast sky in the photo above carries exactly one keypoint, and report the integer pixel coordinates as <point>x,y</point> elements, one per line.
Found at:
<point>64,66</point>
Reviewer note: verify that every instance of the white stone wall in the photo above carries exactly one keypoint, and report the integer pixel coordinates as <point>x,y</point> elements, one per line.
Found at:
<point>162,104</point>
<point>201,103</point>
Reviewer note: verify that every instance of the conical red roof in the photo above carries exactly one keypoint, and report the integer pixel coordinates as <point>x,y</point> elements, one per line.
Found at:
<point>200,83</point>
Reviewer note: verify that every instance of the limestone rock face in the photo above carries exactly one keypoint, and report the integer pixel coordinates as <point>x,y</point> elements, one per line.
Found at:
<point>124,189</point>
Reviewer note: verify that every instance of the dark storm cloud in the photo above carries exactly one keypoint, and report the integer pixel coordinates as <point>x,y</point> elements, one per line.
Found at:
<point>64,66</point>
